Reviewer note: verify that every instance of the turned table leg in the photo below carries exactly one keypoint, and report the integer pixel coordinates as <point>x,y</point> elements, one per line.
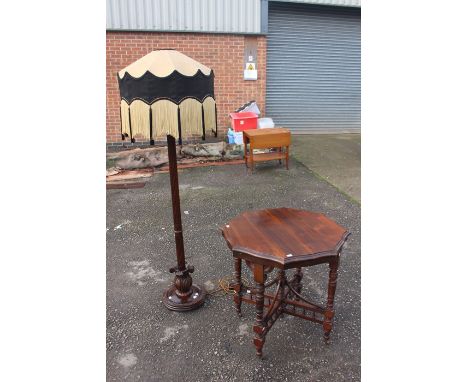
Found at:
<point>329,312</point>
<point>238,285</point>
<point>259,326</point>
<point>282,282</point>
<point>298,275</point>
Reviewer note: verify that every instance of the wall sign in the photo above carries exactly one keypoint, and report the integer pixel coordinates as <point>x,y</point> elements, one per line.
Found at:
<point>250,58</point>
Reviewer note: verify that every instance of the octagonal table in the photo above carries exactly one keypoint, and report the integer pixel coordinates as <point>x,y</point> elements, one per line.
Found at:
<point>283,238</point>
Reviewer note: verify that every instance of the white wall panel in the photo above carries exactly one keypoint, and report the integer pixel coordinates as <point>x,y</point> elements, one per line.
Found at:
<point>217,16</point>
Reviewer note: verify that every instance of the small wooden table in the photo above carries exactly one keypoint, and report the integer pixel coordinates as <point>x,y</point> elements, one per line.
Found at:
<point>277,137</point>
<point>283,238</point>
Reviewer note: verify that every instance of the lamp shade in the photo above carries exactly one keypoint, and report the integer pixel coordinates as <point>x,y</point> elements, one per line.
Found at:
<point>166,92</point>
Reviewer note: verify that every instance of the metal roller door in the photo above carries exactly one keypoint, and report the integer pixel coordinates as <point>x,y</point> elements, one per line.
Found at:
<point>314,67</point>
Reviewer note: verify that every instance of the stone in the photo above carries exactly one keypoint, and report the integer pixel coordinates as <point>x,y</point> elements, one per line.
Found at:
<point>234,151</point>
<point>157,156</point>
<point>204,149</point>
<point>142,160</point>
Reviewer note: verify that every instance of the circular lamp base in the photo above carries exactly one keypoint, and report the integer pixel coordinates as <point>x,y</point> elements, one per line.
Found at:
<point>173,302</point>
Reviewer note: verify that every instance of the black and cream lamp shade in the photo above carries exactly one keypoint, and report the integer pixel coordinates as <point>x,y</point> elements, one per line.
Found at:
<point>166,92</point>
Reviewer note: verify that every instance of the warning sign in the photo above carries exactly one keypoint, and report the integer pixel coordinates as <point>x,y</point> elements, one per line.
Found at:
<point>250,66</point>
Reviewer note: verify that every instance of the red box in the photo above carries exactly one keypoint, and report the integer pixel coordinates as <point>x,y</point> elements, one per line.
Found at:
<point>243,121</point>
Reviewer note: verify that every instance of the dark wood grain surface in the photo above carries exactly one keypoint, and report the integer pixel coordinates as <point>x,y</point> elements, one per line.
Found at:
<point>284,236</point>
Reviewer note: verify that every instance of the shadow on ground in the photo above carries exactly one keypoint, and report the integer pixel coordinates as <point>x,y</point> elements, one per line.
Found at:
<point>147,342</point>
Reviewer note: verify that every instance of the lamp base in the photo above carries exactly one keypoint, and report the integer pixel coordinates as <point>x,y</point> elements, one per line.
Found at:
<point>194,299</point>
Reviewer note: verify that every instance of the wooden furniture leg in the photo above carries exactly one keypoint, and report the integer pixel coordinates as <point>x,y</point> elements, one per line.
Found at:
<point>238,285</point>
<point>251,159</point>
<point>245,151</point>
<point>298,275</point>
<point>282,296</point>
<point>329,312</point>
<point>259,327</point>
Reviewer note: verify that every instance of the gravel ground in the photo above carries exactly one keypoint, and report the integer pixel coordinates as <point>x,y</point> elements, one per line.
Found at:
<point>147,342</point>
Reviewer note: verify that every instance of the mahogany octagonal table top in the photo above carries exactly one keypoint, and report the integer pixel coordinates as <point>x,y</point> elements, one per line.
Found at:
<point>284,237</point>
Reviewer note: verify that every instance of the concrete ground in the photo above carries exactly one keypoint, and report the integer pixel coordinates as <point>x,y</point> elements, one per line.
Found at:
<point>147,342</point>
<point>335,157</point>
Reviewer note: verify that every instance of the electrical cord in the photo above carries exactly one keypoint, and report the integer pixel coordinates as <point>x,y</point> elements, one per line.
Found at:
<point>226,286</point>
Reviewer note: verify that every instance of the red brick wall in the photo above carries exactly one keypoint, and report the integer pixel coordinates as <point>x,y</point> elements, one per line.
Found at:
<point>221,52</point>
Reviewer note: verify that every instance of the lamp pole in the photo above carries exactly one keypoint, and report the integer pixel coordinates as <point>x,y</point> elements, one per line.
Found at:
<point>182,295</point>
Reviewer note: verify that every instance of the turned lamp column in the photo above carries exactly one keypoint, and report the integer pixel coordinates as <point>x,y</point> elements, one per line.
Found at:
<point>182,295</point>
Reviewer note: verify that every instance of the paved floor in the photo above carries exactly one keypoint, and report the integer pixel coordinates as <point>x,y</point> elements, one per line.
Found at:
<point>147,342</point>
<point>335,157</point>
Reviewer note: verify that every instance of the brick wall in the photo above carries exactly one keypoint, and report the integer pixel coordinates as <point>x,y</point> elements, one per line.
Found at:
<point>221,52</point>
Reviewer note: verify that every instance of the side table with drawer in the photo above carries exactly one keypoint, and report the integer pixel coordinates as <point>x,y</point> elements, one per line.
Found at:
<point>278,138</point>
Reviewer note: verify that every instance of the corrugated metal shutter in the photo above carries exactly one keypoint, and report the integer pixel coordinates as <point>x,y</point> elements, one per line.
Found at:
<point>314,67</point>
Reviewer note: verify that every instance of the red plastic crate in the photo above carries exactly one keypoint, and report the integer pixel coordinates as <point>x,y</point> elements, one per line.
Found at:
<point>243,121</point>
